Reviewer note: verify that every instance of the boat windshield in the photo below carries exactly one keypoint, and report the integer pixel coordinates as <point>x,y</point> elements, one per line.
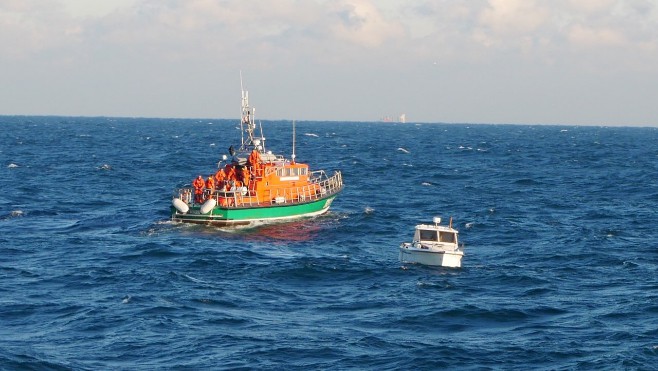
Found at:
<point>428,235</point>
<point>434,236</point>
<point>447,237</point>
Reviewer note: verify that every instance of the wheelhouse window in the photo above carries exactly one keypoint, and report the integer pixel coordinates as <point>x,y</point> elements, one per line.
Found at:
<point>428,235</point>
<point>291,171</point>
<point>447,237</point>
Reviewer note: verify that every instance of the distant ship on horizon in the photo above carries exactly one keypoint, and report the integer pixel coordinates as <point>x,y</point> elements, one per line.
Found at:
<point>401,119</point>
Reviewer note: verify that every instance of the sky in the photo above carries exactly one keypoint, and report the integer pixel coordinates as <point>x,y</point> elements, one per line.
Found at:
<point>565,62</point>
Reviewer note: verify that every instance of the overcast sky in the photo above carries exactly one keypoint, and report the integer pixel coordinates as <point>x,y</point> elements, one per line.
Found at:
<point>589,62</point>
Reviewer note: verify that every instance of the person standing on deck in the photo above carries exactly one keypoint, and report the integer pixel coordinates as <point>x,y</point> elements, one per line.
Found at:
<point>198,185</point>
<point>210,184</point>
<point>254,161</point>
<point>220,177</point>
<point>246,177</point>
<point>230,177</point>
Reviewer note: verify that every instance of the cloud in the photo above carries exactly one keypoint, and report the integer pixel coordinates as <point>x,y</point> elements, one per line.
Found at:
<point>341,31</point>
<point>30,27</point>
<point>581,35</point>
<point>237,30</point>
<point>513,17</point>
<point>376,47</point>
<point>362,23</point>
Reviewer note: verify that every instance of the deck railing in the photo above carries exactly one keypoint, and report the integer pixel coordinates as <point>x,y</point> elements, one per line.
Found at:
<point>320,186</point>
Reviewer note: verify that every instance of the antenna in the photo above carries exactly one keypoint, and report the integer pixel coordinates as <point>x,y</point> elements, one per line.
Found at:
<point>262,138</point>
<point>293,142</point>
<point>242,109</point>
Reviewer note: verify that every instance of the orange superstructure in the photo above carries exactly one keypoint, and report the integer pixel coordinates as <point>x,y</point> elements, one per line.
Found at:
<point>275,182</point>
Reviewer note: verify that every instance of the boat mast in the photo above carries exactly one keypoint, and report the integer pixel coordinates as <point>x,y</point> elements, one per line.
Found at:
<point>244,103</point>
<point>293,142</point>
<point>248,124</point>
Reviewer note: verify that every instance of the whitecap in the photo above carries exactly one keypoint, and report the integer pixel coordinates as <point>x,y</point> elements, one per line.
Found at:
<point>426,183</point>
<point>16,213</point>
<point>368,210</point>
<point>105,167</point>
<point>403,150</point>
<point>126,299</point>
<point>469,225</point>
<point>11,166</point>
<point>193,279</point>
<point>629,264</point>
<point>212,144</point>
<point>311,135</point>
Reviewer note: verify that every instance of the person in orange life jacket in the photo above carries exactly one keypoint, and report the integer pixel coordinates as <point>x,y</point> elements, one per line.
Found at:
<point>228,170</point>
<point>210,184</point>
<point>246,177</point>
<point>220,176</point>
<point>254,161</point>
<point>198,185</point>
<point>237,175</point>
<point>230,177</point>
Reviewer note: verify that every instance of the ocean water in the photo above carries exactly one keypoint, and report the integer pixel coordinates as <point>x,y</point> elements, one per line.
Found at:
<point>559,226</point>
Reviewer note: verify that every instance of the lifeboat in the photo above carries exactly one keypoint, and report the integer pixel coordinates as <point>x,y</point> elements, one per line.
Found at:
<point>253,184</point>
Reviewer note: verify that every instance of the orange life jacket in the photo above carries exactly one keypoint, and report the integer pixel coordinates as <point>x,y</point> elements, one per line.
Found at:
<point>198,183</point>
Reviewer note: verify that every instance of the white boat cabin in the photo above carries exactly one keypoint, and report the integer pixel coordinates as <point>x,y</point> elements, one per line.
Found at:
<point>435,233</point>
<point>432,235</point>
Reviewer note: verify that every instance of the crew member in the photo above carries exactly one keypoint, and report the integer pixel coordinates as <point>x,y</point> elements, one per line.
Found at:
<point>246,177</point>
<point>198,185</point>
<point>230,177</point>
<point>210,184</point>
<point>220,177</point>
<point>254,161</point>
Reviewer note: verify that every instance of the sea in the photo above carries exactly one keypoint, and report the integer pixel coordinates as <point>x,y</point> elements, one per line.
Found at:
<point>559,226</point>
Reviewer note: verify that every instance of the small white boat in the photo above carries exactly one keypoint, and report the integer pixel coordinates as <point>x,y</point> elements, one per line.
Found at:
<point>433,244</point>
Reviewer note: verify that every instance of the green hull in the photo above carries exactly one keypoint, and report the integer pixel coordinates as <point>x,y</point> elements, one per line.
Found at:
<point>222,216</point>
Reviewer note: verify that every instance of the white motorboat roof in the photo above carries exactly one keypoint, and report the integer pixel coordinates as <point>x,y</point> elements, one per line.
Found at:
<point>441,228</point>
<point>435,233</point>
<point>436,226</point>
